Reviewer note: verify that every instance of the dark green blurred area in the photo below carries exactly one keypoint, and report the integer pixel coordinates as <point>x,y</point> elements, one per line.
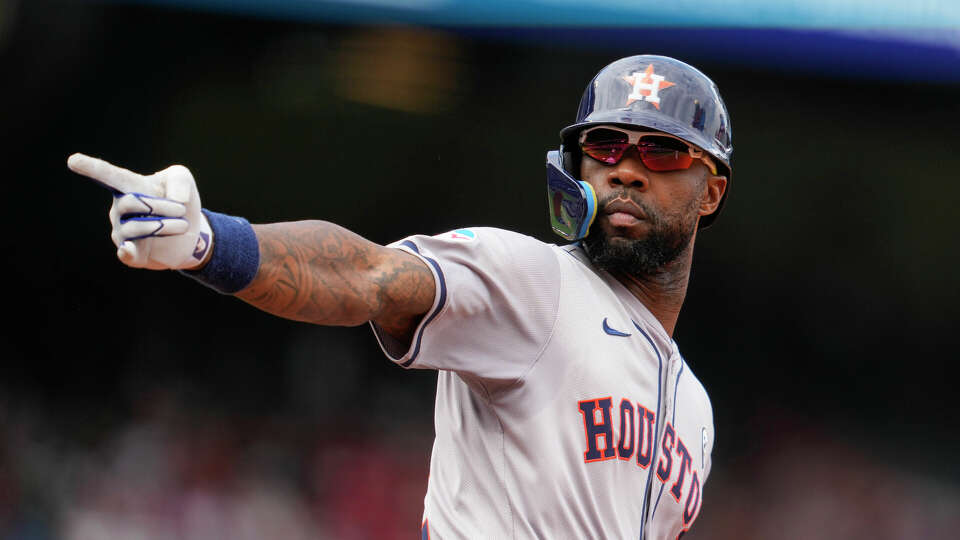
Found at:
<point>825,298</point>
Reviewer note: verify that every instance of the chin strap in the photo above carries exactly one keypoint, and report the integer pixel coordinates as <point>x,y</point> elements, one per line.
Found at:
<point>572,202</point>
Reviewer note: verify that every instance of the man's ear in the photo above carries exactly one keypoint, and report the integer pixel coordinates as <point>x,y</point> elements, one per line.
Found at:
<point>714,189</point>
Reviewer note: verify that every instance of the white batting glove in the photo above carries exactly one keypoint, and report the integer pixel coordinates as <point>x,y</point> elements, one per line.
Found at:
<point>156,219</point>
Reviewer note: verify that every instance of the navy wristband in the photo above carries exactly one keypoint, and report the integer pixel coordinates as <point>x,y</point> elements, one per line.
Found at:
<point>235,258</point>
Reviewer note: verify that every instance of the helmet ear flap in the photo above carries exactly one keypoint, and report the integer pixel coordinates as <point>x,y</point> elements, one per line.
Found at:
<point>572,203</point>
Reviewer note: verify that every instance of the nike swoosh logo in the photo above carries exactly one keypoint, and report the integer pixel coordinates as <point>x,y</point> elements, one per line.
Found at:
<point>612,331</point>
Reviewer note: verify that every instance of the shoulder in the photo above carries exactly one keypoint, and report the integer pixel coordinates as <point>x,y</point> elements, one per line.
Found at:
<point>694,400</point>
<point>481,236</point>
<point>501,247</point>
<point>696,388</point>
<point>694,395</point>
<point>692,382</point>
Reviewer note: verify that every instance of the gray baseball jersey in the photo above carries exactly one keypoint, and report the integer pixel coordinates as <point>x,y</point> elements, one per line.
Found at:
<point>563,408</point>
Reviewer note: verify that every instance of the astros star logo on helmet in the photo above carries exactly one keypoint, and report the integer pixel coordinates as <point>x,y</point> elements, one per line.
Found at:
<point>646,86</point>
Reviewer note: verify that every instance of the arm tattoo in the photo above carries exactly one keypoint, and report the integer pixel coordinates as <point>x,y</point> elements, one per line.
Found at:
<point>318,272</point>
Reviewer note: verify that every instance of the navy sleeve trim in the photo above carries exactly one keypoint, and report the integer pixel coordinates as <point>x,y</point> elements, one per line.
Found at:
<point>436,310</point>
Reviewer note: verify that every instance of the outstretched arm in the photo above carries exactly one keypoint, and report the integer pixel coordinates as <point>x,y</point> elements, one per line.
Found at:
<point>319,272</point>
<point>310,271</point>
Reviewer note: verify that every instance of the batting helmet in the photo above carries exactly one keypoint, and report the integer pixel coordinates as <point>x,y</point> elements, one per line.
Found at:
<point>646,91</point>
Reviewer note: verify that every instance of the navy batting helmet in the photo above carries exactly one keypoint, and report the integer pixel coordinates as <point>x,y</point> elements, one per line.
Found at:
<point>646,91</point>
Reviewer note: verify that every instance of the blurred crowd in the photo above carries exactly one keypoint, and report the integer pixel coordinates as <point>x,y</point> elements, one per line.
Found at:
<point>807,484</point>
<point>167,474</point>
<point>169,471</point>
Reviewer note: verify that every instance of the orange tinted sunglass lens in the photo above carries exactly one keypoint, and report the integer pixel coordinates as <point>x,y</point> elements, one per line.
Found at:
<point>662,159</point>
<point>609,153</point>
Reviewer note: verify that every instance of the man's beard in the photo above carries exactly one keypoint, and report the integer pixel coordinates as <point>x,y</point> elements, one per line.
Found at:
<point>663,244</point>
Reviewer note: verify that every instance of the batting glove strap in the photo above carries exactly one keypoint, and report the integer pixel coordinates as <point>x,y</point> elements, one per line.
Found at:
<point>235,258</point>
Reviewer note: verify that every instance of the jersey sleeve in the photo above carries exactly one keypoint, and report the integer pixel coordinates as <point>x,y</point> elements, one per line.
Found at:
<point>497,294</point>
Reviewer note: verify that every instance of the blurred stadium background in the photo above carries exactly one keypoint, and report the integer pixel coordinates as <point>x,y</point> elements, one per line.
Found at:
<point>823,309</point>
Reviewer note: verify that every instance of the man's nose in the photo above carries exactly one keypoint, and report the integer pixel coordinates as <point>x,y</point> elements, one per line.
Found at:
<point>630,171</point>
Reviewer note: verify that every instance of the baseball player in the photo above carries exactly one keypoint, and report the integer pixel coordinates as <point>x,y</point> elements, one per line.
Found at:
<point>564,408</point>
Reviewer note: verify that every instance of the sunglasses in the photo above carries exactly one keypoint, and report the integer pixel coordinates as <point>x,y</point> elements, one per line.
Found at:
<point>659,152</point>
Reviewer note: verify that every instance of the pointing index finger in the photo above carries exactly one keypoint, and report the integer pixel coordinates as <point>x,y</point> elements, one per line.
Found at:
<point>113,177</point>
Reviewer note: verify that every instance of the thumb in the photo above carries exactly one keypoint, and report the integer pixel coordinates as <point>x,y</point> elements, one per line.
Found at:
<point>128,254</point>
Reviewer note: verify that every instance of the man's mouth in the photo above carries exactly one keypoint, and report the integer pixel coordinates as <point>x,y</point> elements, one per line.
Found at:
<point>623,212</point>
